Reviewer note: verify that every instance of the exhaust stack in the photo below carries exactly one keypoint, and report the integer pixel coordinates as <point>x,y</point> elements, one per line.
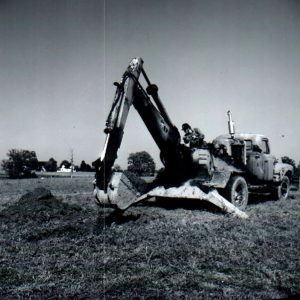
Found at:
<point>231,126</point>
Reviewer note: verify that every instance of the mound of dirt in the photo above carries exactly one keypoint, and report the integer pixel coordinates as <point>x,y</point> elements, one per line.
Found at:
<point>40,204</point>
<point>35,195</point>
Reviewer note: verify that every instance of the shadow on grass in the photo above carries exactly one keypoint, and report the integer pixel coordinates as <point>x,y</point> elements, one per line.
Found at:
<point>262,198</point>
<point>259,198</point>
<point>115,217</point>
<point>119,217</point>
<point>110,216</point>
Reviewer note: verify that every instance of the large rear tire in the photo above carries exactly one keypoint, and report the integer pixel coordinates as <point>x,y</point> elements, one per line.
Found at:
<point>282,191</point>
<point>237,191</point>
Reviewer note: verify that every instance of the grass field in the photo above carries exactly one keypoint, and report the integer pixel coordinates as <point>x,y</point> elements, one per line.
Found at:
<point>63,246</point>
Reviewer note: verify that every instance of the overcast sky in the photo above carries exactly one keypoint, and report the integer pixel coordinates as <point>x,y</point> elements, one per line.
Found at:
<point>59,58</point>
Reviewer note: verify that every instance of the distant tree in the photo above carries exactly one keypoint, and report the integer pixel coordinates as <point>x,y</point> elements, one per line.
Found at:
<point>117,168</point>
<point>66,163</point>
<point>141,163</point>
<point>83,166</point>
<point>51,165</point>
<point>20,163</point>
<point>297,171</point>
<point>287,160</point>
<point>89,168</point>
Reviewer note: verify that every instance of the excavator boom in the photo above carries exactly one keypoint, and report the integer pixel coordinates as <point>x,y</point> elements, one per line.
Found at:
<point>130,92</point>
<point>115,123</point>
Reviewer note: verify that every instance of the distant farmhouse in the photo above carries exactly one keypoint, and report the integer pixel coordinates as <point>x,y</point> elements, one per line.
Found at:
<point>68,170</point>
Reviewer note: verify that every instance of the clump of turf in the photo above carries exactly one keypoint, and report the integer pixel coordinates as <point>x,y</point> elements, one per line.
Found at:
<point>139,183</point>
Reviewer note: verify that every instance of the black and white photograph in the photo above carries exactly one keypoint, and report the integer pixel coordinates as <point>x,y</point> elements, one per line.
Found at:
<point>149,149</point>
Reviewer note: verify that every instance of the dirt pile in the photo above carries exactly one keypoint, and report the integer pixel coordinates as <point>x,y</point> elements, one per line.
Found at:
<point>36,194</point>
<point>41,205</point>
<point>38,215</point>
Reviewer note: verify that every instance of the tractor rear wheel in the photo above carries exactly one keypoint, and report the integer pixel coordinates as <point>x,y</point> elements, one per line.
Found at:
<point>237,191</point>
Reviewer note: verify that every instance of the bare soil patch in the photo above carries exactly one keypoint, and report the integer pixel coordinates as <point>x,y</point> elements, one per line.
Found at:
<point>56,243</point>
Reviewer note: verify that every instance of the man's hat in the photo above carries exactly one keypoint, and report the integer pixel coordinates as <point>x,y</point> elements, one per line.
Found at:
<point>185,126</point>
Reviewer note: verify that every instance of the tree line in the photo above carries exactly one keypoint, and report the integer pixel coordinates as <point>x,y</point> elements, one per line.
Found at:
<point>24,164</point>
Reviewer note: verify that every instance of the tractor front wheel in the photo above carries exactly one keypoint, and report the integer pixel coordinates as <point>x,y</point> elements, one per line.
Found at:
<point>282,191</point>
